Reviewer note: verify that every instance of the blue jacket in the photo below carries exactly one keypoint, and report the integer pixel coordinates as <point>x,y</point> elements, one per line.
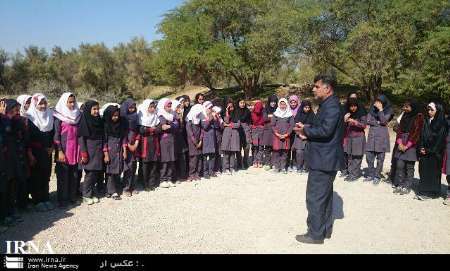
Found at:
<point>325,136</point>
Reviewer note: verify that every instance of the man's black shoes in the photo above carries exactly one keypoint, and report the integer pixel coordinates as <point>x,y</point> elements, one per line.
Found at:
<point>306,239</point>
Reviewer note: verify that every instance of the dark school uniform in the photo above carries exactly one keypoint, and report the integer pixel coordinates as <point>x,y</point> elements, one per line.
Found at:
<point>231,144</point>
<point>17,145</point>
<point>181,151</point>
<point>245,139</point>
<point>354,145</point>
<point>300,145</point>
<point>267,140</point>
<point>167,145</point>
<point>218,132</point>
<point>150,154</point>
<point>406,160</point>
<point>40,143</point>
<point>194,132</point>
<point>114,147</point>
<point>280,147</point>
<point>209,145</point>
<point>378,143</point>
<point>129,176</point>
<point>92,149</point>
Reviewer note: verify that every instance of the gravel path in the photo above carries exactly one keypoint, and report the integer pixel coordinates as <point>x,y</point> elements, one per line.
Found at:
<point>251,212</point>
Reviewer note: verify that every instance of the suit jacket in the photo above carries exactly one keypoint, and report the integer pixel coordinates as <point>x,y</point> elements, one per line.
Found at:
<point>325,151</point>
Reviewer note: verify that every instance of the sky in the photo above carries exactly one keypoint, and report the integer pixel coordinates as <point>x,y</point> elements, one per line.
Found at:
<point>68,23</point>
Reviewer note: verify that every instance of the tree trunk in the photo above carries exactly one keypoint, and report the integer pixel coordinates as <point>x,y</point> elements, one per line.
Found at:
<point>373,88</point>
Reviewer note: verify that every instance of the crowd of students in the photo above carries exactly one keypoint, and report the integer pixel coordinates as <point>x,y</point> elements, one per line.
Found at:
<point>171,141</point>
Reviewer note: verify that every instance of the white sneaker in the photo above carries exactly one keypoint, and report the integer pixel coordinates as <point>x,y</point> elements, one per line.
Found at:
<point>164,185</point>
<point>171,184</point>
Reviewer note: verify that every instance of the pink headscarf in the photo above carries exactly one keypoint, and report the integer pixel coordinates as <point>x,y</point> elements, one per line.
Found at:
<point>294,98</point>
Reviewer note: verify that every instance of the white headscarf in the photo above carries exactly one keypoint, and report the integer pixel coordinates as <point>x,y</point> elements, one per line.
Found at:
<point>175,104</point>
<point>102,110</point>
<point>195,113</point>
<point>63,113</point>
<point>283,113</point>
<point>42,119</point>
<point>22,100</point>
<point>145,118</point>
<point>162,112</point>
<point>207,105</point>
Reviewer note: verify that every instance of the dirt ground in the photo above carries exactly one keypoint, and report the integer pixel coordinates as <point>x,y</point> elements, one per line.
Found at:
<point>251,212</point>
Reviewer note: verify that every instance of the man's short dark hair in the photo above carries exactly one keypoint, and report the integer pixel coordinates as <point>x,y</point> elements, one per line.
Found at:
<point>326,79</point>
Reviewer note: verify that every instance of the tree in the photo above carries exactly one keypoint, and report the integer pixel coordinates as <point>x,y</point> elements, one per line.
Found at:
<point>132,65</point>
<point>63,67</point>
<point>97,68</point>
<point>238,38</point>
<point>430,76</point>
<point>3,70</point>
<point>370,42</point>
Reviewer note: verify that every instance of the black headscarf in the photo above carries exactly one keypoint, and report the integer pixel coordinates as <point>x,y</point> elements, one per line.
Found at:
<point>408,118</point>
<point>90,126</point>
<point>243,114</point>
<point>434,132</point>
<point>131,117</point>
<point>305,118</point>
<point>10,104</point>
<point>185,109</point>
<point>387,107</point>
<point>360,112</point>
<point>269,109</point>
<point>10,124</point>
<point>233,115</point>
<point>116,129</point>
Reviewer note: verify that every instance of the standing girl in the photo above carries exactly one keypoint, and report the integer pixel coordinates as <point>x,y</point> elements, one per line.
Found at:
<point>67,116</point>
<point>431,149</point>
<point>169,126</point>
<point>41,142</point>
<point>282,127</point>
<point>193,130</point>
<point>294,104</point>
<point>218,127</point>
<point>408,136</point>
<point>128,112</point>
<point>115,149</point>
<point>305,115</point>
<point>91,134</point>
<point>244,116</point>
<point>19,158</point>
<point>209,124</point>
<point>354,138</point>
<point>181,148</point>
<point>257,130</point>
<point>230,139</point>
<point>149,130</point>
<point>378,143</point>
<point>267,141</point>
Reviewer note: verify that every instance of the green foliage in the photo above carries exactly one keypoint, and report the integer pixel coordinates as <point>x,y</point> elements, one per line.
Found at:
<point>238,47</point>
<point>205,40</point>
<point>372,43</point>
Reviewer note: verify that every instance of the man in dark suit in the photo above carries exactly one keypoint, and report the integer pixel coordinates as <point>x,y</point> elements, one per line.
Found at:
<point>325,157</point>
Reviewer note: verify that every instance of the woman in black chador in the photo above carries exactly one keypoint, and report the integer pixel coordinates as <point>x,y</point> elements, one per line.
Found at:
<point>431,148</point>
